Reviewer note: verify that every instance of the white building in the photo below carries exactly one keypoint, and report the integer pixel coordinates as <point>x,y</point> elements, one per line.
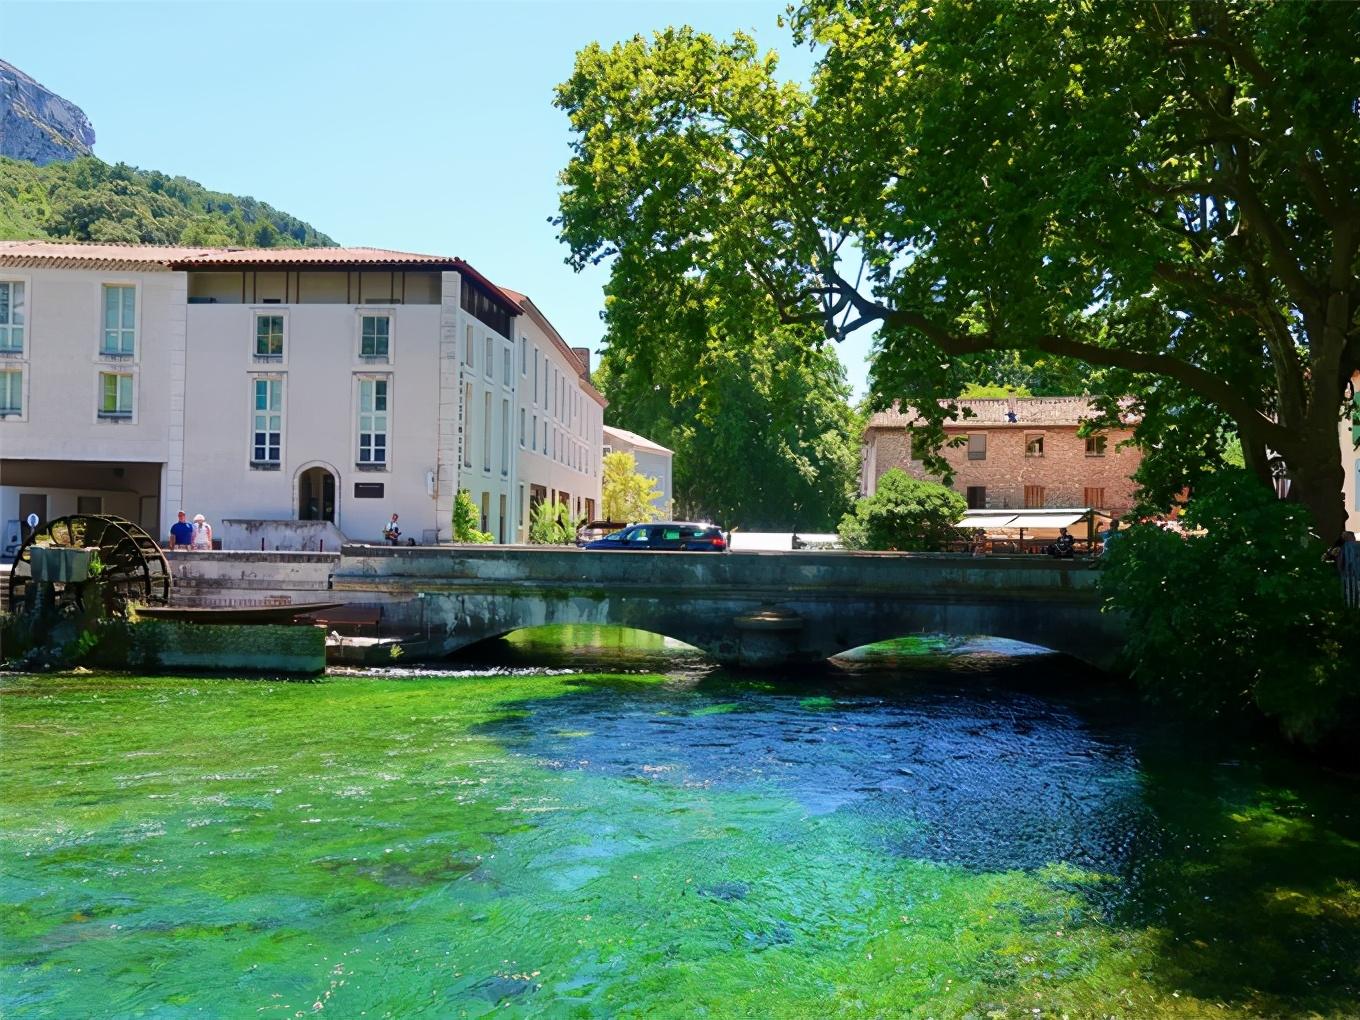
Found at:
<point>559,419</point>
<point>334,385</point>
<point>653,460</point>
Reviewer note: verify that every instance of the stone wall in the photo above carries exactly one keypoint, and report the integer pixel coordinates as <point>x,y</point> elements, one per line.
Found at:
<point>164,646</point>
<point>1065,472</point>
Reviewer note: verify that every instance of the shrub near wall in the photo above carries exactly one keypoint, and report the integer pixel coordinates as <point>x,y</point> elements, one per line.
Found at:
<point>1244,618</point>
<point>904,514</point>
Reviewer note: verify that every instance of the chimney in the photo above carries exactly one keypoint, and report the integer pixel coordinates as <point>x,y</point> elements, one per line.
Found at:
<point>583,356</point>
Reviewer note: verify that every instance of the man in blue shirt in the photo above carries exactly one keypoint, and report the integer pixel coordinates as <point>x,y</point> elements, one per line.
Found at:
<point>181,533</point>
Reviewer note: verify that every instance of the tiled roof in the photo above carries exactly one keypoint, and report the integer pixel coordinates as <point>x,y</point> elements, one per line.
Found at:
<point>315,257</point>
<point>612,434</point>
<point>92,255</point>
<point>536,313</point>
<point>994,412</point>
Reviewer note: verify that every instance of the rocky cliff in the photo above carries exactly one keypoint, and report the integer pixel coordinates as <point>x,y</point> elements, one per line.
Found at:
<point>37,125</point>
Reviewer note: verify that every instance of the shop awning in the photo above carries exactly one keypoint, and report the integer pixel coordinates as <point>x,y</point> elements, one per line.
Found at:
<point>986,520</point>
<point>1045,520</point>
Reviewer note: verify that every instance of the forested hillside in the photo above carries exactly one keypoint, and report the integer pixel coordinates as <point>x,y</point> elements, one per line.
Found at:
<point>90,200</point>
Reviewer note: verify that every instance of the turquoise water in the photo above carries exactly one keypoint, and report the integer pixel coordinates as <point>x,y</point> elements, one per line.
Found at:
<point>619,830</point>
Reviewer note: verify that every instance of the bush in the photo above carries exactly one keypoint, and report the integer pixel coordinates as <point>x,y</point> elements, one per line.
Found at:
<point>465,520</point>
<point>552,524</point>
<point>904,514</point>
<point>1244,617</point>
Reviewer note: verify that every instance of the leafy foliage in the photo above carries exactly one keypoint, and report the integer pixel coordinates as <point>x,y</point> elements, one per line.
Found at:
<point>904,514</point>
<point>466,517</point>
<point>552,524</point>
<point>1244,615</point>
<point>627,495</point>
<point>90,200</point>
<point>1162,191</point>
<point>762,432</point>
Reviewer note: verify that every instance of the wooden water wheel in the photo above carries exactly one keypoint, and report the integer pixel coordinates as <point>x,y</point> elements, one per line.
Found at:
<point>130,567</point>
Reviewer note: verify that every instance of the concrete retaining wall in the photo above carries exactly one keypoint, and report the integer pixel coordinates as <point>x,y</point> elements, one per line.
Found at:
<point>165,646</point>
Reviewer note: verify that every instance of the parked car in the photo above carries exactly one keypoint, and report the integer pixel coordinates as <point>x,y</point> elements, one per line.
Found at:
<point>594,530</point>
<point>672,536</point>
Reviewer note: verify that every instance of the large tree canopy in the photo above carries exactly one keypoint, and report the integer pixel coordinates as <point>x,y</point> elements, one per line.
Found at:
<point>1164,191</point>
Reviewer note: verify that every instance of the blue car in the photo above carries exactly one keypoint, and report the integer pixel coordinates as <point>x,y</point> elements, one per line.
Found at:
<point>668,536</point>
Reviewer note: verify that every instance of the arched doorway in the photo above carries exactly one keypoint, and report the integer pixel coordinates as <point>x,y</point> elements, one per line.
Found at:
<point>316,495</point>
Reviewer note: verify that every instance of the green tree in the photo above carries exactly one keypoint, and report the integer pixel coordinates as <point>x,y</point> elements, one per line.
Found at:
<point>1240,614</point>
<point>89,200</point>
<point>904,514</point>
<point>627,494</point>
<point>1167,192</point>
<point>761,428</point>
<point>465,520</point>
<point>552,524</point>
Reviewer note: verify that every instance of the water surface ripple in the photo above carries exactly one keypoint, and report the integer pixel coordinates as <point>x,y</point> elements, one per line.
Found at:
<point>622,830</point>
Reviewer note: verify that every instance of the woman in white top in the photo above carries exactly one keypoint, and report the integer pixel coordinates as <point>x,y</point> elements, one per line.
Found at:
<point>202,533</point>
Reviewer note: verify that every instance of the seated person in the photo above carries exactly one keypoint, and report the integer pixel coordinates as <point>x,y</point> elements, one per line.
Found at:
<point>1065,547</point>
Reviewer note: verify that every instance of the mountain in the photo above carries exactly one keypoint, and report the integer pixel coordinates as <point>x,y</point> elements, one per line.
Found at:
<point>51,186</point>
<point>36,124</point>
<point>89,200</point>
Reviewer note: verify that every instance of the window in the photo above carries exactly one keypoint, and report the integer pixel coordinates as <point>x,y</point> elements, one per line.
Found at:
<point>1034,446</point>
<point>487,366</point>
<point>535,375</point>
<point>523,356</point>
<point>11,391</point>
<point>372,422</point>
<point>505,374</point>
<point>11,317</point>
<point>533,439</point>
<point>89,504</point>
<point>1093,497</point>
<point>521,427</point>
<point>1095,446</point>
<point>120,320</point>
<point>467,426</point>
<point>115,395</point>
<point>269,337</point>
<point>1034,497</point>
<point>977,446</point>
<point>505,436</point>
<point>519,508</point>
<point>267,425</point>
<point>486,434</point>
<point>977,497</point>
<point>375,334</point>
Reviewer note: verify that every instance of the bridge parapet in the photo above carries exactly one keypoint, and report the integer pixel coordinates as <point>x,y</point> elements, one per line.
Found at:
<point>752,608</point>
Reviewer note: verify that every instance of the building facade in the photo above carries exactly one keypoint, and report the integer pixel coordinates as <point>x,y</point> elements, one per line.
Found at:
<point>557,421</point>
<point>1014,453</point>
<point>327,385</point>
<point>653,460</point>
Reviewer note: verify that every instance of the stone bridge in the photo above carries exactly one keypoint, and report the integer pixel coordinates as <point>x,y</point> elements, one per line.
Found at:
<point>751,609</point>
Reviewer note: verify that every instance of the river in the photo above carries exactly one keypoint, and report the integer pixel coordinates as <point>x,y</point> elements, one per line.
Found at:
<point>597,824</point>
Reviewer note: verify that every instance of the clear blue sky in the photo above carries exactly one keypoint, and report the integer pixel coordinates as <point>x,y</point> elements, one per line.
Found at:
<point>422,127</point>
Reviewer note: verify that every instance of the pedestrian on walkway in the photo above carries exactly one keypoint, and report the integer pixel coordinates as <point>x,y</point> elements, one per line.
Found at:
<point>1345,553</point>
<point>202,539</point>
<point>181,533</point>
<point>392,533</point>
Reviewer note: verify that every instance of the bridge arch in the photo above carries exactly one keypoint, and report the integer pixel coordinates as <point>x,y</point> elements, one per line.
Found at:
<point>748,609</point>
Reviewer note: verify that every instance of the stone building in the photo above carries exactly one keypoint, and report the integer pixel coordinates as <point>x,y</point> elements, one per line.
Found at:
<point>1014,453</point>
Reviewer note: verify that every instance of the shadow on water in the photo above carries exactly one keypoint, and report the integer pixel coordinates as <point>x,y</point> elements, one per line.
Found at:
<point>1242,867</point>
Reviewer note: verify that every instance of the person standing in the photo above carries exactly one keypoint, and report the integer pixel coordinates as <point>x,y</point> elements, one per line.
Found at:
<point>181,533</point>
<point>202,533</point>
<point>392,533</point>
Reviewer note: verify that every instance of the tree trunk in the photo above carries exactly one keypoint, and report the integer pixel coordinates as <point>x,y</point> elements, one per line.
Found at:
<point>1317,478</point>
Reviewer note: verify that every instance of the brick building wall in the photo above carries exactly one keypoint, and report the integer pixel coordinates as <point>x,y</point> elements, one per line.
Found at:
<point>1013,473</point>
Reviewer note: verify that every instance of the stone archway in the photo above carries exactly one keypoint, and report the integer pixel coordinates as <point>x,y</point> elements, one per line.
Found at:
<point>316,490</point>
